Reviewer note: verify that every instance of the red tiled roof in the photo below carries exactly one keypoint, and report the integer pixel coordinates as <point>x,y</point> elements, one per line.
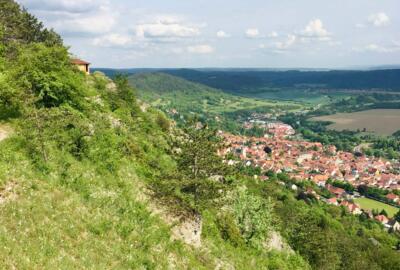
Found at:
<point>77,61</point>
<point>382,218</point>
<point>391,196</point>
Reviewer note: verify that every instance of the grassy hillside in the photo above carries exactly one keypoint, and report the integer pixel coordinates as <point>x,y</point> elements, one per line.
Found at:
<point>81,168</point>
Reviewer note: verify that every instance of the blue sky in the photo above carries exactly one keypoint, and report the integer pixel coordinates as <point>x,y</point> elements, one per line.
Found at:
<point>216,33</point>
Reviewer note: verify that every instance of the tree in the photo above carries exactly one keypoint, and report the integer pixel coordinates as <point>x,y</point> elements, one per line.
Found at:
<point>47,74</point>
<point>383,212</point>
<point>20,27</point>
<point>198,162</point>
<point>254,217</point>
<point>163,122</point>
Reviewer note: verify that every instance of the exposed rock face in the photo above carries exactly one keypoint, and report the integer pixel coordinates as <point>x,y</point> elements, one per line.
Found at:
<point>276,242</point>
<point>143,106</point>
<point>189,230</point>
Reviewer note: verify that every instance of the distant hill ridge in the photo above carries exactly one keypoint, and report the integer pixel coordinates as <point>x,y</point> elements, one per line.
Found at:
<point>241,80</point>
<point>159,82</point>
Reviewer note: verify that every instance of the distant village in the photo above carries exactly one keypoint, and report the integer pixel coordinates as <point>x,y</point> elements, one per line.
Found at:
<point>279,151</point>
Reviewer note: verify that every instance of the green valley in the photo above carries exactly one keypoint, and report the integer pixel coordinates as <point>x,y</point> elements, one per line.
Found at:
<point>167,91</point>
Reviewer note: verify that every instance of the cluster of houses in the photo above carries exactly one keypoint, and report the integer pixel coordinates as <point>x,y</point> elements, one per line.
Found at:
<point>272,128</point>
<point>342,198</point>
<point>303,160</point>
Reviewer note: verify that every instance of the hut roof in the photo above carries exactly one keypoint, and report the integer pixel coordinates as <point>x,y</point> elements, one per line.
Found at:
<point>77,61</point>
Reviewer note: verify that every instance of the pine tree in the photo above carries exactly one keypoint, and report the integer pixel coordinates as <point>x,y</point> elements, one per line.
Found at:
<point>199,165</point>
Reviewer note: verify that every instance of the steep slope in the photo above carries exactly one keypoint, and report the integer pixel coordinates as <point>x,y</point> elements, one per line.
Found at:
<point>79,173</point>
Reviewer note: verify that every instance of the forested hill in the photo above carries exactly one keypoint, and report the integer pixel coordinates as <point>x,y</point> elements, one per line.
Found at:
<point>241,81</point>
<point>184,98</point>
<point>234,80</point>
<point>162,83</point>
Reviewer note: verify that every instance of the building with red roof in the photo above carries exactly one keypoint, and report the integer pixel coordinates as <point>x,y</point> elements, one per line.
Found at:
<point>81,65</point>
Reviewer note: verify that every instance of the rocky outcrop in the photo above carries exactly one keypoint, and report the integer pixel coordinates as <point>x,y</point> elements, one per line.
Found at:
<point>188,230</point>
<point>277,242</point>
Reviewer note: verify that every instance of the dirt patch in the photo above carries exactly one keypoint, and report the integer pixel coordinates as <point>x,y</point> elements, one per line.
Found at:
<point>5,132</point>
<point>8,192</point>
<point>184,228</point>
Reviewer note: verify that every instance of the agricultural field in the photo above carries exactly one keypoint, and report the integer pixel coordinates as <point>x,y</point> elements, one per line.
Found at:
<point>311,97</point>
<point>378,121</point>
<point>369,204</point>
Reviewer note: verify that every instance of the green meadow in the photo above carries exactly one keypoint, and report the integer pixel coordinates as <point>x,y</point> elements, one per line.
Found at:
<point>369,204</point>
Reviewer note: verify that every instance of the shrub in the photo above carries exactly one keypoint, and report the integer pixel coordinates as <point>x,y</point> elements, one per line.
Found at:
<point>162,122</point>
<point>229,230</point>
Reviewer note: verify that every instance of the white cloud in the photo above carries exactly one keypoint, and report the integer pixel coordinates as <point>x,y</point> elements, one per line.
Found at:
<point>315,30</point>
<point>281,46</point>
<point>166,28</point>
<point>73,6</point>
<point>379,19</point>
<point>222,34</point>
<point>78,17</point>
<point>200,49</point>
<point>290,41</point>
<point>252,33</point>
<point>360,25</point>
<point>113,40</point>
<point>378,48</point>
<point>273,34</point>
<point>97,23</point>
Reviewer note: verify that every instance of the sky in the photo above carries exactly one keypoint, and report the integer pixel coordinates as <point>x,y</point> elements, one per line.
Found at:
<point>226,33</point>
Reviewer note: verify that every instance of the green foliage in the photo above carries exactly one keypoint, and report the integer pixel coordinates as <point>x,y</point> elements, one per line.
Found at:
<point>253,216</point>
<point>397,216</point>
<point>247,82</point>
<point>20,27</point>
<point>10,101</point>
<point>341,184</point>
<point>331,239</point>
<point>229,230</point>
<point>163,122</point>
<point>47,74</point>
<point>199,169</point>
<point>181,99</point>
<point>198,158</point>
<point>383,212</point>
